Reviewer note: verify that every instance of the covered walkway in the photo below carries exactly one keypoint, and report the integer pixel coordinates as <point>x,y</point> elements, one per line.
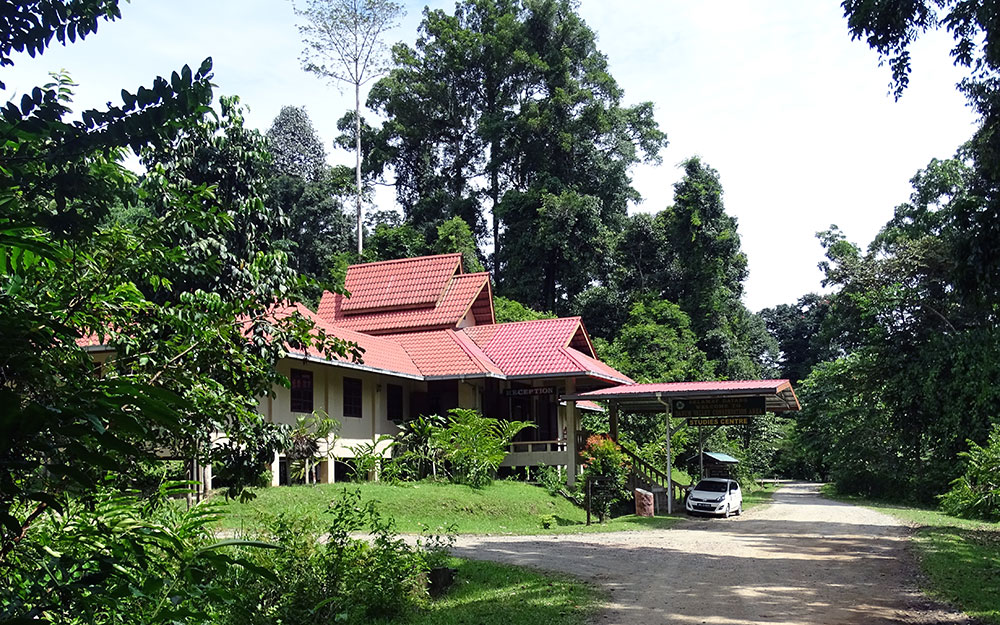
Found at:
<point>700,404</point>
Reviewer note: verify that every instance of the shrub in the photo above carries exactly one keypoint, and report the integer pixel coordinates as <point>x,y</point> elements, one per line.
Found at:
<point>976,494</point>
<point>122,558</point>
<point>606,471</point>
<point>474,446</point>
<point>416,454</point>
<point>550,479</point>
<point>369,457</point>
<point>345,579</point>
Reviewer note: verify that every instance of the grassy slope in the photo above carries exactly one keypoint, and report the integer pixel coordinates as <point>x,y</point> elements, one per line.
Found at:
<point>486,593</point>
<point>501,508</point>
<point>961,558</point>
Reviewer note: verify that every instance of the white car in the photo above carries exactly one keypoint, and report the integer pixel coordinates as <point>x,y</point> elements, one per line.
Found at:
<point>715,495</point>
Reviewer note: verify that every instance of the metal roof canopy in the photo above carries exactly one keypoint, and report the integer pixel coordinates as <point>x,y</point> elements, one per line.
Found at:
<point>778,394</point>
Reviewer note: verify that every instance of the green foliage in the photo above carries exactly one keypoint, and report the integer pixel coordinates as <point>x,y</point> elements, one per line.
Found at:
<point>180,301</point>
<point>474,446</point>
<point>121,558</point>
<point>340,579</point>
<point>798,329</point>
<point>549,478</point>
<point>415,451</point>
<point>507,310</point>
<point>510,101</point>
<point>369,457</point>
<point>976,494</point>
<point>30,26</point>
<point>605,473</point>
<point>915,383</point>
<point>657,345</point>
<point>296,149</point>
<point>454,235</point>
<point>890,29</point>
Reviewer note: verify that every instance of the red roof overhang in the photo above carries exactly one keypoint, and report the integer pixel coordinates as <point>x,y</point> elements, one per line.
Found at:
<point>779,395</point>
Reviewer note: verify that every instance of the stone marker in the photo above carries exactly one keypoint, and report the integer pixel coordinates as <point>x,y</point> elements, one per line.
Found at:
<point>643,502</point>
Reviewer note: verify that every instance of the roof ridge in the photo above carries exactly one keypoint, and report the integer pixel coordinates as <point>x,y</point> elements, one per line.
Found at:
<point>553,319</point>
<point>407,260</point>
<point>472,350</point>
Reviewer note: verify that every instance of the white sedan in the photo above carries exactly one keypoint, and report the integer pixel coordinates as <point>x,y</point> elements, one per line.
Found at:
<point>715,495</point>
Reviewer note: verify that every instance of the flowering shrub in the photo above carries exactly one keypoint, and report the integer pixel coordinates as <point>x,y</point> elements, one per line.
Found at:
<point>606,470</point>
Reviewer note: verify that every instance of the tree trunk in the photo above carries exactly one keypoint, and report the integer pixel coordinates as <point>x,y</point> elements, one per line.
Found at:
<point>357,160</point>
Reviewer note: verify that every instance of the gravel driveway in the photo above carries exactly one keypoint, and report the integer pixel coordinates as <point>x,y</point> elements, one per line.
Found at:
<point>801,560</point>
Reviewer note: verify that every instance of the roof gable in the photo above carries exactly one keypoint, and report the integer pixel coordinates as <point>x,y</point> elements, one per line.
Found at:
<point>463,293</point>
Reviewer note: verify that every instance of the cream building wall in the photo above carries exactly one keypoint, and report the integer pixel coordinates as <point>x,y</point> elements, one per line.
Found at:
<point>328,398</point>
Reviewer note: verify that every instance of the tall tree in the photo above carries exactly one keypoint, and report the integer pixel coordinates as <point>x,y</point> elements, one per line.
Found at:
<point>511,101</point>
<point>890,28</point>
<point>798,329</point>
<point>309,193</point>
<point>295,147</point>
<point>921,357</point>
<point>343,41</point>
<point>184,299</point>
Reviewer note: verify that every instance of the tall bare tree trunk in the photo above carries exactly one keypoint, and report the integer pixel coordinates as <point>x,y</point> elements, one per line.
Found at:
<point>357,159</point>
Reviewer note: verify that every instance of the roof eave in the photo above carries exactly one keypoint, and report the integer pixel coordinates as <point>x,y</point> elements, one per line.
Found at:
<point>353,365</point>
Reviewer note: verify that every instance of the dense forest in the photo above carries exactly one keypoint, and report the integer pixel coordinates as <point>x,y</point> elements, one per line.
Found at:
<point>507,139</point>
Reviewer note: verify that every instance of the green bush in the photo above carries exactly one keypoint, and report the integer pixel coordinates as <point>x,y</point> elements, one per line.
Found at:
<point>976,494</point>
<point>606,472</point>
<point>118,558</point>
<point>474,446</point>
<point>342,580</point>
<point>550,479</point>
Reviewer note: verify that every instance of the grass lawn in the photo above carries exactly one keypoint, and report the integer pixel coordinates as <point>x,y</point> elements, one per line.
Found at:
<point>961,558</point>
<point>501,508</point>
<point>486,593</point>
<point>761,495</point>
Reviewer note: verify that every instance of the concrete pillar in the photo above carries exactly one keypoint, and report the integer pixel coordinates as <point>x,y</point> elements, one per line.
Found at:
<point>276,470</point>
<point>573,423</point>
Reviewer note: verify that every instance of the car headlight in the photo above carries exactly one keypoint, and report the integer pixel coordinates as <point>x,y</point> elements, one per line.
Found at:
<point>720,498</point>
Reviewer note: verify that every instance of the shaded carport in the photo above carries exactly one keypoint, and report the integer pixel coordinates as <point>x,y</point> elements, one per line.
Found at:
<point>705,403</point>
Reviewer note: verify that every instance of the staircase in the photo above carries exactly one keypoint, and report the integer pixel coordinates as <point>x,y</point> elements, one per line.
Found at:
<point>647,477</point>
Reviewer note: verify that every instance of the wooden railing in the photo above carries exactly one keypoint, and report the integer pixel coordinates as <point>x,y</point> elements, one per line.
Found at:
<point>647,473</point>
<point>532,446</point>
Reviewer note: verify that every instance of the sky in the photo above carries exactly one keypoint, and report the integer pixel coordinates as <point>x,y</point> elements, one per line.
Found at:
<point>796,118</point>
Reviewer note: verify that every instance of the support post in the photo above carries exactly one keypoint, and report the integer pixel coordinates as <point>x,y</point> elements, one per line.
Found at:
<point>276,470</point>
<point>670,468</point>
<point>613,420</point>
<point>701,454</point>
<point>571,424</point>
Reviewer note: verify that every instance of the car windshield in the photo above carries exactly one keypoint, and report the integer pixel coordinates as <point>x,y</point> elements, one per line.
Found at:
<point>712,487</point>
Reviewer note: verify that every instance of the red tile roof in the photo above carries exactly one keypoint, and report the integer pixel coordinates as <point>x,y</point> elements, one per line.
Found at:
<point>692,387</point>
<point>378,353</point>
<point>464,293</point>
<point>779,394</point>
<point>445,353</point>
<point>537,348</point>
<point>403,283</point>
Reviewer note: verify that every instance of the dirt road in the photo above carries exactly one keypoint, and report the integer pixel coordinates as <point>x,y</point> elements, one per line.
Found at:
<point>801,560</point>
